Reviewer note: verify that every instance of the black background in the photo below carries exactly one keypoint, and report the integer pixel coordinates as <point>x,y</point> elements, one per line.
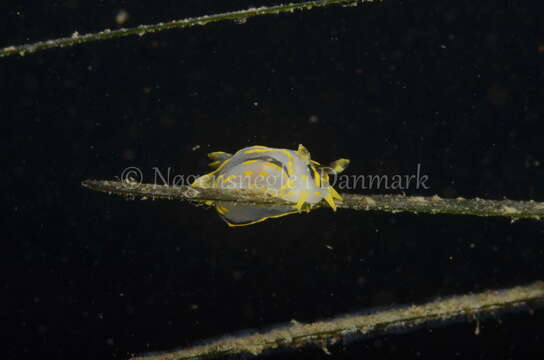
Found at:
<point>455,86</point>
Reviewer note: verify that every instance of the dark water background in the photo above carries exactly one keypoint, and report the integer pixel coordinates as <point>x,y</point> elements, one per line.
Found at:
<point>456,86</point>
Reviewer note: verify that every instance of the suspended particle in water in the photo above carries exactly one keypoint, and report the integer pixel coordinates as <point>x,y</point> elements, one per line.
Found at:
<point>313,119</point>
<point>121,17</point>
<point>241,20</point>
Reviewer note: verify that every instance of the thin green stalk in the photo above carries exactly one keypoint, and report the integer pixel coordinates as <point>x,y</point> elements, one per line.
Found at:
<point>388,203</point>
<point>239,16</point>
<point>352,326</point>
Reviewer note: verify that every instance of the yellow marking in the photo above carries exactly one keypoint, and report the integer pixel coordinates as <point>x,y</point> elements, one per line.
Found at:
<point>317,177</point>
<point>303,153</point>
<point>285,152</point>
<point>218,179</point>
<point>304,177</point>
<point>203,181</point>
<point>287,193</point>
<point>247,162</point>
<point>248,173</point>
<point>282,151</point>
<point>301,200</point>
<point>325,178</point>
<point>339,165</point>
<point>229,178</point>
<point>263,173</point>
<point>273,165</point>
<point>315,162</point>
<point>221,209</point>
<point>330,201</point>
<point>317,193</point>
<point>214,164</point>
<point>217,154</point>
<point>214,154</point>
<point>334,194</point>
<point>290,184</point>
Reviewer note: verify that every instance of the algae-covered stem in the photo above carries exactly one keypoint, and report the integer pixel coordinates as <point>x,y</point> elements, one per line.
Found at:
<point>239,16</point>
<point>389,203</point>
<point>350,326</point>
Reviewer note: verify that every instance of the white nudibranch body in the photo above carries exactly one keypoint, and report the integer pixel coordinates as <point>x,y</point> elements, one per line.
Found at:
<point>286,174</point>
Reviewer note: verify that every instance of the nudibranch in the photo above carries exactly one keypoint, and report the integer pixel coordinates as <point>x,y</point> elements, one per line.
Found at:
<point>286,174</point>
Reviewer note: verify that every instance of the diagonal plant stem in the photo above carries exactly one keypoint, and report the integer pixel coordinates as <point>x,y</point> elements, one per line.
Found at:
<point>388,203</point>
<point>352,326</point>
<point>239,16</point>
